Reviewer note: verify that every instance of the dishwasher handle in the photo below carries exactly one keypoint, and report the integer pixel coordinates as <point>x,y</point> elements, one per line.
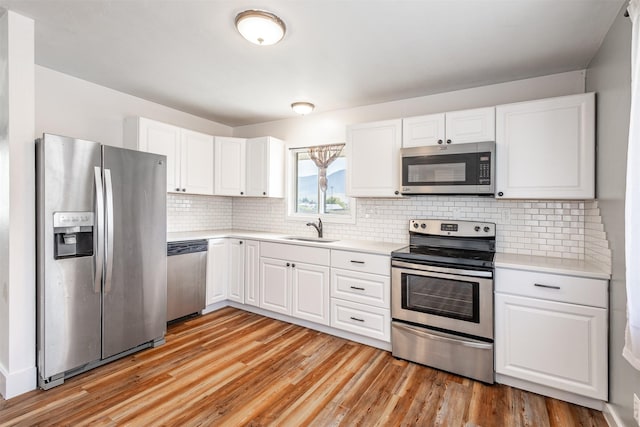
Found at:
<point>186,247</point>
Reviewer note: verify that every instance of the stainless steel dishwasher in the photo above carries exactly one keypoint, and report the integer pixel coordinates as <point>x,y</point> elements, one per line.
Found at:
<point>186,278</point>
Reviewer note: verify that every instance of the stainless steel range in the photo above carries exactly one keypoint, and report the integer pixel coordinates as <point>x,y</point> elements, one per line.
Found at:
<point>442,297</point>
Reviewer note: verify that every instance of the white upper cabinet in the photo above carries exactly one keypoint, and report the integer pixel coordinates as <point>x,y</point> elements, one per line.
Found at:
<point>423,130</point>
<point>189,154</point>
<point>456,127</point>
<point>373,159</point>
<point>196,171</point>
<point>545,149</point>
<point>230,166</point>
<point>265,167</point>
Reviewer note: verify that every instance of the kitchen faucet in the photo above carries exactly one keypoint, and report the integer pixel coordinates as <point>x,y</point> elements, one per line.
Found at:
<point>317,226</point>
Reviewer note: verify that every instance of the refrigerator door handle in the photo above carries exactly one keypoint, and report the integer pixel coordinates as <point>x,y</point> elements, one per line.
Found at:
<point>98,231</point>
<point>109,230</point>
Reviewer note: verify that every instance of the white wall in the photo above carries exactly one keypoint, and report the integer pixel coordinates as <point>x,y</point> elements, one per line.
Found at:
<point>69,106</point>
<point>17,206</point>
<point>609,74</point>
<point>331,126</point>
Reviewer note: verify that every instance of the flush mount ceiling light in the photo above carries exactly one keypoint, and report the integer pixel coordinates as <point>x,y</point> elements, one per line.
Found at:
<point>260,27</point>
<point>302,108</point>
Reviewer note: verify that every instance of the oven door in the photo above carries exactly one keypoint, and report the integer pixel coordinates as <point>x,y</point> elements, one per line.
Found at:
<point>456,300</point>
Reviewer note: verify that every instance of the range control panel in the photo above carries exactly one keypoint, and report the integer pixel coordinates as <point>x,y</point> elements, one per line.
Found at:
<point>443,227</point>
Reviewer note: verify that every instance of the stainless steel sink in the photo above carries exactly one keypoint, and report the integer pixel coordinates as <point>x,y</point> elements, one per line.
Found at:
<point>310,239</point>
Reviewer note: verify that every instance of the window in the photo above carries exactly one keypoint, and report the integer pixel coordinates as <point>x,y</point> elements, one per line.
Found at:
<point>307,200</point>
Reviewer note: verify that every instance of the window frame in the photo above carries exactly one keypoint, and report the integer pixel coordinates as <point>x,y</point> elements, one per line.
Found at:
<point>292,182</point>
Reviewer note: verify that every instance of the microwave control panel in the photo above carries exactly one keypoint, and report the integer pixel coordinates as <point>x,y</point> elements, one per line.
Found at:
<point>484,168</point>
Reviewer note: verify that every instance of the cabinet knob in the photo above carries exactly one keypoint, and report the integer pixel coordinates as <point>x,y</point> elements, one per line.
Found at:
<point>448,141</point>
<point>293,265</point>
<point>288,264</point>
<point>500,193</point>
<point>240,241</point>
<point>241,193</point>
<point>264,193</point>
<point>439,141</point>
<point>177,189</point>
<point>184,189</point>
<point>396,192</point>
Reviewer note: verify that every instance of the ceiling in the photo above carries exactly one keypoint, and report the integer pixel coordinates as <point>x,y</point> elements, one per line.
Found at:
<point>336,53</point>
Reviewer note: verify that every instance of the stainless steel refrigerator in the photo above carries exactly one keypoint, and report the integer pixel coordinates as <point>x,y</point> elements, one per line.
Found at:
<point>101,254</point>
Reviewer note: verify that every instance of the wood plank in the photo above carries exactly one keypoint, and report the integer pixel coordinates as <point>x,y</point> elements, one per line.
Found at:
<point>232,367</point>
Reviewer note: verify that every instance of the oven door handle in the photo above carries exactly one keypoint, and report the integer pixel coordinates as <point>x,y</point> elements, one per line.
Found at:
<point>456,341</point>
<point>444,270</point>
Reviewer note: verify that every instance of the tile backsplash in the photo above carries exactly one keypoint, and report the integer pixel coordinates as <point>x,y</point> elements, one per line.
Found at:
<point>564,229</point>
<point>193,213</point>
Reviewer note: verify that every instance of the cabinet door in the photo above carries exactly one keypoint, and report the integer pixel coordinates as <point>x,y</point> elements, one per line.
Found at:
<point>275,289</point>
<point>265,167</point>
<point>310,292</point>
<point>257,166</point>
<point>373,159</point>
<point>423,130</point>
<point>161,138</point>
<point>230,165</point>
<point>551,343</point>
<point>252,272</point>
<point>217,270</point>
<point>546,149</point>
<point>478,125</point>
<point>196,162</point>
<point>236,270</point>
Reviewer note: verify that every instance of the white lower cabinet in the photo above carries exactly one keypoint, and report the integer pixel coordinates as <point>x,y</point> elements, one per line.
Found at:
<point>275,286</point>
<point>310,292</point>
<point>217,258</point>
<point>236,270</point>
<point>360,294</point>
<point>252,272</point>
<point>373,322</point>
<point>544,337</point>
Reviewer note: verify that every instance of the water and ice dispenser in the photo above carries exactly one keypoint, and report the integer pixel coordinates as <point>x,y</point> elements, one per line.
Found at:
<point>73,234</point>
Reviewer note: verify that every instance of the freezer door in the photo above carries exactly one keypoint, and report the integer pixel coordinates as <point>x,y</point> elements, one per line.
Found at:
<point>135,278</point>
<point>69,279</point>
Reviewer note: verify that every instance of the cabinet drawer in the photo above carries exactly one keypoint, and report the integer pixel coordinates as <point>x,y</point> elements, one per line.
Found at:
<point>554,287</point>
<point>298,253</point>
<point>373,322</point>
<point>365,288</point>
<point>358,261</point>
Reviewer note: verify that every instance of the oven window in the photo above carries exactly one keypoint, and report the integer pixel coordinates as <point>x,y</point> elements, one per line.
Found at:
<point>455,299</point>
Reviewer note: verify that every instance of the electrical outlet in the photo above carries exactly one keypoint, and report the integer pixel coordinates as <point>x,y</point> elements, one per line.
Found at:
<point>636,408</point>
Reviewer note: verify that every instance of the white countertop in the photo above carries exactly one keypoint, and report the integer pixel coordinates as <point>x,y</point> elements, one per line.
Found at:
<point>349,245</point>
<point>569,267</point>
<point>502,260</point>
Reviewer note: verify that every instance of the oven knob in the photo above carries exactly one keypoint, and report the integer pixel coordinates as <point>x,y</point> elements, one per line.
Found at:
<point>423,225</point>
<point>486,229</point>
<point>477,228</point>
<point>415,225</point>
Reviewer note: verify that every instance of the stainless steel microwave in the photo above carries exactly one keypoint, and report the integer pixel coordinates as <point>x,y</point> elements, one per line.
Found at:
<point>449,169</point>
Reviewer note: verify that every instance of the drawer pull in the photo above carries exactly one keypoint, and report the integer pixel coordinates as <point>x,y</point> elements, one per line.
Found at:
<point>546,286</point>
<point>357,262</point>
<point>357,288</point>
<point>356,319</point>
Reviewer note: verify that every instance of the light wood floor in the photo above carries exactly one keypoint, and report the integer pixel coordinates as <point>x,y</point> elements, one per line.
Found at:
<point>233,368</point>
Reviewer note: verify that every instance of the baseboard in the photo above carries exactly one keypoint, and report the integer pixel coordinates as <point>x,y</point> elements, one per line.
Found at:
<point>17,383</point>
<point>612,417</point>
